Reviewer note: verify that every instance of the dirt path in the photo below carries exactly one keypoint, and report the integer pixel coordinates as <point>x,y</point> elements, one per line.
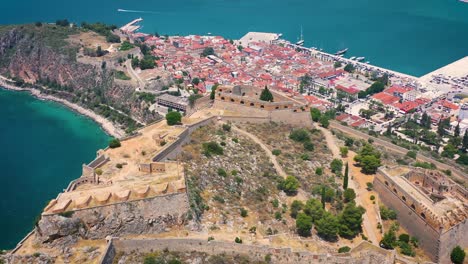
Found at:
<point>272,157</point>
<point>369,223</point>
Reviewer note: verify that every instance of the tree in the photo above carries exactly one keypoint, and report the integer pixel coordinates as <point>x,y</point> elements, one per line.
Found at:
<point>411,154</point>
<point>300,135</point>
<point>404,238</point>
<point>213,92</point>
<point>463,159</point>
<point>195,81</point>
<point>349,68</point>
<point>369,164</point>
<point>449,151</point>
<point>266,95</point>
<point>349,195</point>
<point>368,158</point>
<point>456,132</point>
<point>328,226</point>
<point>351,220</point>
<point>442,126</point>
<point>308,146</point>
<point>303,224</point>
<point>243,212</point>
<point>387,214</point>
<point>324,122</point>
<point>111,38</point>
<point>389,240</point>
<point>336,165</point>
<point>465,141</point>
<point>337,64</point>
<point>458,255</point>
<point>62,23</point>
<point>315,114</point>
<point>425,121</point>
<point>289,185</point>
<point>208,51</point>
<point>114,143</point>
<point>345,178</point>
<point>344,151</point>
<point>296,207</point>
<point>314,209</point>
<point>173,118</point>
<point>212,148</point>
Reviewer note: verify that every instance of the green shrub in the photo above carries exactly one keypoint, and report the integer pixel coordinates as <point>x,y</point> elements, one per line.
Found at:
<point>173,118</point>
<point>458,255</point>
<point>98,171</point>
<point>114,143</point>
<point>305,156</point>
<point>308,146</point>
<point>238,240</point>
<point>300,135</point>
<point>243,212</point>
<point>226,127</point>
<point>276,152</point>
<point>404,238</point>
<point>372,197</point>
<point>222,172</point>
<point>118,165</point>
<point>212,147</point>
<point>278,216</point>
<point>236,140</point>
<point>289,185</point>
<point>344,249</point>
<point>275,203</point>
<point>218,199</point>
<point>412,154</point>
<point>387,214</point>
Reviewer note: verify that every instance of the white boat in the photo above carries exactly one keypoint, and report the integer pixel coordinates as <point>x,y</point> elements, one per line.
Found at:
<point>352,58</point>
<point>367,62</point>
<point>301,41</point>
<point>360,58</point>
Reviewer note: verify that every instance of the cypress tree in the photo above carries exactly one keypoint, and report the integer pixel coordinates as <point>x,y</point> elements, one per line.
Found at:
<point>457,130</point>
<point>323,197</point>
<point>345,179</point>
<point>266,95</point>
<point>465,142</point>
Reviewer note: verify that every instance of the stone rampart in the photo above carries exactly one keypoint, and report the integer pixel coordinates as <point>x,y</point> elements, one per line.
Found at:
<point>98,162</point>
<point>254,252</point>
<point>415,225</point>
<point>455,236</point>
<point>109,253</point>
<point>146,216</point>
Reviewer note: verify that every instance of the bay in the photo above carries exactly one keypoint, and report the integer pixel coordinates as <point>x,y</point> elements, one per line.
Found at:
<point>42,147</point>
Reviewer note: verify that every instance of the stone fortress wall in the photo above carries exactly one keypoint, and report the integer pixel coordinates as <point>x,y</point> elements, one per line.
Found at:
<point>364,253</point>
<point>435,239</point>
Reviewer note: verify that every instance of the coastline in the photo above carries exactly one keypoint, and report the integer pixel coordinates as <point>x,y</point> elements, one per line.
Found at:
<point>108,127</point>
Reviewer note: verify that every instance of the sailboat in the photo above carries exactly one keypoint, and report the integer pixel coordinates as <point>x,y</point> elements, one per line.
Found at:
<point>301,41</point>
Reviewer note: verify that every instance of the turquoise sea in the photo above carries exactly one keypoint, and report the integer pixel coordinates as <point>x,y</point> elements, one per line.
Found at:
<point>411,36</point>
<point>43,145</point>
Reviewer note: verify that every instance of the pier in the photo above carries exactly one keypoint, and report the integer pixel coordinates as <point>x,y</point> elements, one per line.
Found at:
<point>132,26</point>
<point>361,65</point>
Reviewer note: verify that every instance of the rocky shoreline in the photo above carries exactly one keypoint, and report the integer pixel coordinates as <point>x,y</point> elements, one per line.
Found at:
<point>108,126</point>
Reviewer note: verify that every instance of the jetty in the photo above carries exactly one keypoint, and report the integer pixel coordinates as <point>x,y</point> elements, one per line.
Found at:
<point>331,57</point>
<point>132,26</point>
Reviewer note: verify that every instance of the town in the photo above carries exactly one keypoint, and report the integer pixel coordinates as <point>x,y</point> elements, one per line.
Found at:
<point>257,150</point>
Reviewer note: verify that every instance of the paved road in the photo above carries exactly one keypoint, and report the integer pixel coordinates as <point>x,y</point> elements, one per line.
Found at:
<point>397,149</point>
<point>141,84</point>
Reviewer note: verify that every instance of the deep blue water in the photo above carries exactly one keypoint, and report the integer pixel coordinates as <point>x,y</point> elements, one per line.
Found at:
<point>43,145</point>
<point>411,36</point>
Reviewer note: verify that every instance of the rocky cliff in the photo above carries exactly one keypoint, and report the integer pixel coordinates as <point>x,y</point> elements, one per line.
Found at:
<point>42,55</point>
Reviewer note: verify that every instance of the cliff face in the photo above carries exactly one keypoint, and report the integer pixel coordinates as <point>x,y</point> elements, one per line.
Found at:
<point>42,55</point>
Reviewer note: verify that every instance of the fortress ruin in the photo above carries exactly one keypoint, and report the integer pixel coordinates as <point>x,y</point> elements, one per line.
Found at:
<point>430,206</point>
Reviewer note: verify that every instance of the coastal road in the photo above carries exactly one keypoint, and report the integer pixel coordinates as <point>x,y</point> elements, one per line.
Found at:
<point>397,149</point>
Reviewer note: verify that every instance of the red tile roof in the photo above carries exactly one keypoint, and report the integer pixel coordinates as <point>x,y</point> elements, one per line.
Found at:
<point>349,90</point>
<point>385,98</point>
